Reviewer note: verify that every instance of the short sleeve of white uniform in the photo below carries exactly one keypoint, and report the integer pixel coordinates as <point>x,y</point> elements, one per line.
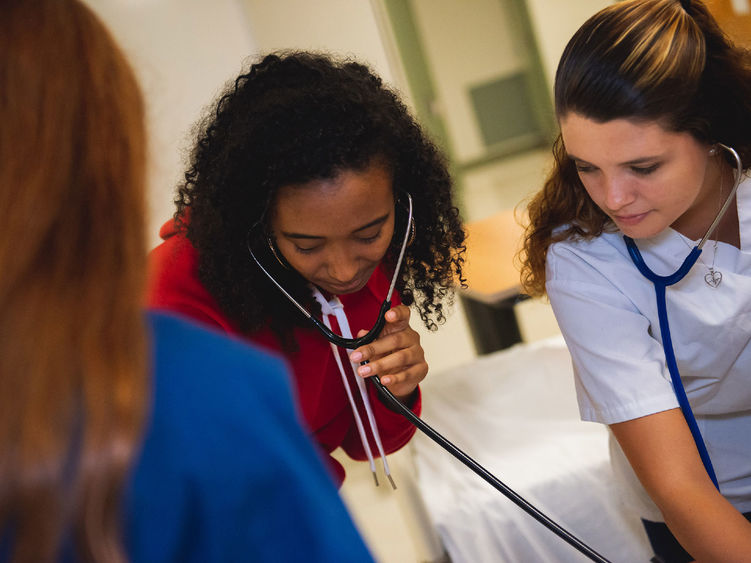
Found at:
<point>618,361</point>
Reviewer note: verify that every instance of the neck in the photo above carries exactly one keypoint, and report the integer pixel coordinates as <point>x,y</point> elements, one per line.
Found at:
<point>728,230</point>
<point>694,223</point>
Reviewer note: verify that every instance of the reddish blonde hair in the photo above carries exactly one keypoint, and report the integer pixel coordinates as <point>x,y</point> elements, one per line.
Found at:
<point>73,371</point>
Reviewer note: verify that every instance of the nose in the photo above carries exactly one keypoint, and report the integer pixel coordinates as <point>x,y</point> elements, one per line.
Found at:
<point>618,193</point>
<point>341,265</point>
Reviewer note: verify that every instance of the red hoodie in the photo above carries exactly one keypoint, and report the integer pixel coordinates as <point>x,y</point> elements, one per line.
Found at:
<point>174,286</point>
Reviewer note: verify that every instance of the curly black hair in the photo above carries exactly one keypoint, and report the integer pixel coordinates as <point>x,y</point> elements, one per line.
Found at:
<point>292,118</point>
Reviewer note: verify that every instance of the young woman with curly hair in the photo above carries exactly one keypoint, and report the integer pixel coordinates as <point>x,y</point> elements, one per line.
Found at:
<point>654,106</point>
<point>310,162</point>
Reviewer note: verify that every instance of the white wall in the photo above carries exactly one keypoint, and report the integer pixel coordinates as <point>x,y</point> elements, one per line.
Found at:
<point>554,22</point>
<point>183,52</point>
<point>343,27</point>
<point>466,44</point>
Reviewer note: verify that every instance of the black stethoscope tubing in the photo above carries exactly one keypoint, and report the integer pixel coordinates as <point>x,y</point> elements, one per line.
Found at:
<point>402,409</point>
<point>660,284</point>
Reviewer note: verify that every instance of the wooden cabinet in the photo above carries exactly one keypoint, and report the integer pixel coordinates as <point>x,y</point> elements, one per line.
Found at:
<point>734,16</point>
<point>493,280</point>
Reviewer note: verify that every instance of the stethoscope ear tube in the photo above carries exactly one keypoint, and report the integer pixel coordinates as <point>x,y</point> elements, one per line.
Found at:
<point>394,404</point>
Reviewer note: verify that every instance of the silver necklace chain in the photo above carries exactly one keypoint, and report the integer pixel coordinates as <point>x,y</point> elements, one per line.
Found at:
<point>713,278</point>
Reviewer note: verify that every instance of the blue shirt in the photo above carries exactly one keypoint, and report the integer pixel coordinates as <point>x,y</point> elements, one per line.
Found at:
<point>227,472</point>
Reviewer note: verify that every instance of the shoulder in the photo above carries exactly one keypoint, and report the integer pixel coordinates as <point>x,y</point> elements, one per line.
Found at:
<point>604,308</point>
<point>174,285</point>
<point>226,460</point>
<point>192,355</point>
<point>601,253</point>
<point>598,273</point>
<point>175,248</point>
<point>605,259</point>
<point>211,388</point>
<point>173,264</point>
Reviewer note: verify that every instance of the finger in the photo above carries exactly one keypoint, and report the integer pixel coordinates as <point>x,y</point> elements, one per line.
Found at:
<point>397,315</point>
<point>397,323</point>
<point>405,381</point>
<point>397,378</point>
<point>386,345</point>
<point>357,355</point>
<point>394,361</point>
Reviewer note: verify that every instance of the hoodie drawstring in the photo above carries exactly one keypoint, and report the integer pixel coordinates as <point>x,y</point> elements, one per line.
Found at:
<point>335,308</point>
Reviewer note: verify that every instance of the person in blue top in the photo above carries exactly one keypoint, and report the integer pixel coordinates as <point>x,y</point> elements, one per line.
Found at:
<point>124,435</point>
<point>226,473</point>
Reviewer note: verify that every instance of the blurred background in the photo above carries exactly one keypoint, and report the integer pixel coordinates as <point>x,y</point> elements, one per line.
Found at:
<point>477,73</point>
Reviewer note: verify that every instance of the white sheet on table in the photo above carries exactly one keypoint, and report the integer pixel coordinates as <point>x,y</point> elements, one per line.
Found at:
<point>515,413</point>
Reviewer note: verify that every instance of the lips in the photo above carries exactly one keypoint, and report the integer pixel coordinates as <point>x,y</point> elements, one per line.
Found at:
<point>346,288</point>
<point>355,284</point>
<point>630,220</point>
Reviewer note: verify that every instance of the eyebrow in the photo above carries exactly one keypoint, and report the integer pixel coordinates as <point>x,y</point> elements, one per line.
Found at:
<point>643,160</point>
<point>373,223</point>
<point>634,162</point>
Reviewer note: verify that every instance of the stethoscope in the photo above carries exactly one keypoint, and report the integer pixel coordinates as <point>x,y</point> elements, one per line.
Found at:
<point>398,406</point>
<point>661,283</point>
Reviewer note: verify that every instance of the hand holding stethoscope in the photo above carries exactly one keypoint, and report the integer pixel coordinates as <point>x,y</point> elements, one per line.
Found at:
<point>391,344</point>
<point>396,355</point>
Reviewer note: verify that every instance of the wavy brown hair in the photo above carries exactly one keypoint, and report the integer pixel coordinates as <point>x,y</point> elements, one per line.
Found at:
<point>645,60</point>
<point>73,376</point>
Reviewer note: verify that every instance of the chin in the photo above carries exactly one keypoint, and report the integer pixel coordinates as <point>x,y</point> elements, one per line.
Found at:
<point>641,231</point>
<point>338,290</point>
<point>637,234</point>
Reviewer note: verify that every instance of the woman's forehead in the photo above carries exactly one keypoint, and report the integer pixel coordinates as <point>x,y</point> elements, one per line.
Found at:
<point>350,200</point>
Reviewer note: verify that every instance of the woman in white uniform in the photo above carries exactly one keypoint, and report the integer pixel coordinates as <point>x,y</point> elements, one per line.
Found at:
<point>650,95</point>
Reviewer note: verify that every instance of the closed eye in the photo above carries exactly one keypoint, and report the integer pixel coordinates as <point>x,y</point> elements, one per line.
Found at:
<point>584,168</point>
<point>645,170</point>
<point>371,239</point>
<point>362,240</point>
<point>306,250</point>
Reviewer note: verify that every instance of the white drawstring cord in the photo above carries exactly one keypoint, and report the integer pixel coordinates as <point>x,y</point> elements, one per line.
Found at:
<point>358,420</point>
<point>336,308</point>
<point>341,317</point>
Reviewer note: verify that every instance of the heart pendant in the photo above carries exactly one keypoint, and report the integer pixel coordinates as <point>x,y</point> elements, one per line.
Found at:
<point>713,278</point>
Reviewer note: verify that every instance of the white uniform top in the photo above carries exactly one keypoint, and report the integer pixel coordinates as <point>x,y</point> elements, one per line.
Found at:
<point>607,312</point>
